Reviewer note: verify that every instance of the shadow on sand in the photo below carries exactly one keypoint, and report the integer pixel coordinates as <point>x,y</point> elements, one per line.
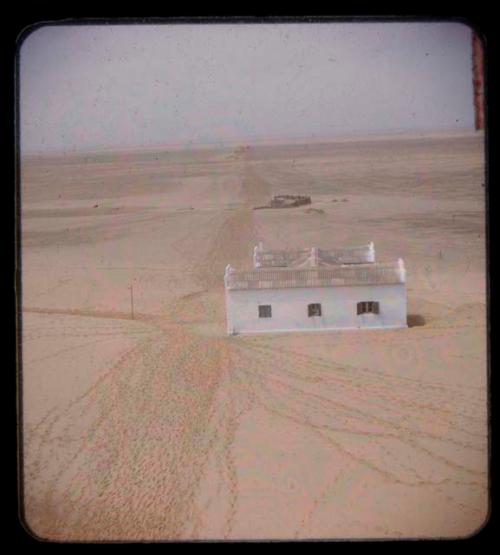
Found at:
<point>414,320</point>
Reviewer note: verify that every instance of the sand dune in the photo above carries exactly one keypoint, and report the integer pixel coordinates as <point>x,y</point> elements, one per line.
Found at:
<point>162,427</point>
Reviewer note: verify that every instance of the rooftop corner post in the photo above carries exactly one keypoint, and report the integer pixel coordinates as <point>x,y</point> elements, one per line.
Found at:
<point>229,270</point>
<point>256,263</point>
<point>314,260</point>
<point>402,270</point>
<point>371,252</point>
<point>257,250</point>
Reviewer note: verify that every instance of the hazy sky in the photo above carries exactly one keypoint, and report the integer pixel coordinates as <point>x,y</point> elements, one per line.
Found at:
<point>85,87</point>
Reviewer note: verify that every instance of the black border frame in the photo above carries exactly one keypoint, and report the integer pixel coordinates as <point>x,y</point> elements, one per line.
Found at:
<point>478,24</point>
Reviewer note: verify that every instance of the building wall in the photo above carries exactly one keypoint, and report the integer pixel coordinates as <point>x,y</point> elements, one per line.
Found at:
<point>338,304</point>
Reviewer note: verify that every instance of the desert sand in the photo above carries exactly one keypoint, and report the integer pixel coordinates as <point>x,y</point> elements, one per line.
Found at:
<point>161,427</point>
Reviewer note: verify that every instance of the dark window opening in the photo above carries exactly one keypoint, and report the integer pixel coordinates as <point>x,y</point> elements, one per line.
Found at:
<point>265,311</point>
<point>368,307</point>
<point>314,309</point>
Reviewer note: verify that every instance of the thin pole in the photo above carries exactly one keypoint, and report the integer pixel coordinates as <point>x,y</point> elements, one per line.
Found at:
<point>132,301</point>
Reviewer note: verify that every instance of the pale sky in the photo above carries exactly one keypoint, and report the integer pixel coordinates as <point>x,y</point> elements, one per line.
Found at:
<point>110,86</point>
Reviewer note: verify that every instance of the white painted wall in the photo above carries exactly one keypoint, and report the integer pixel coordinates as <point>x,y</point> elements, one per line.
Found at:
<point>338,304</point>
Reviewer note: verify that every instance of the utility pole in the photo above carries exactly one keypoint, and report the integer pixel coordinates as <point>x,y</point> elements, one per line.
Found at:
<point>132,301</point>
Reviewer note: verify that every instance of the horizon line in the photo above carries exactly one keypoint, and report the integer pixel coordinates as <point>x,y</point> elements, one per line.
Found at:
<point>254,140</point>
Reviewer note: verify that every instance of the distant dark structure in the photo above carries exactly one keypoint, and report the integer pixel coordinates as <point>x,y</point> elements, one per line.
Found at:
<point>478,80</point>
<point>286,201</point>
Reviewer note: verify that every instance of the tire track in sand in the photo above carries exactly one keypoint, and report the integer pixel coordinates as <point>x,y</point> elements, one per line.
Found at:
<point>148,426</point>
<point>232,243</point>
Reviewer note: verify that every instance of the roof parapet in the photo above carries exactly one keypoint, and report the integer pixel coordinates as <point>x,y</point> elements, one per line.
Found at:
<point>339,275</point>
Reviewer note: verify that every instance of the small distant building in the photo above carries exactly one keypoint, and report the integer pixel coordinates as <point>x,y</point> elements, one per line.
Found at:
<point>314,290</point>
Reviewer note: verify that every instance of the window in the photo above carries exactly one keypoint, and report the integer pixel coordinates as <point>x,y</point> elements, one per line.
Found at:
<point>314,309</point>
<point>368,307</point>
<point>265,311</point>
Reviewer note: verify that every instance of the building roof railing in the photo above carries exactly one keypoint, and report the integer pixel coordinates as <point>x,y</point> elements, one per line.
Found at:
<point>335,276</point>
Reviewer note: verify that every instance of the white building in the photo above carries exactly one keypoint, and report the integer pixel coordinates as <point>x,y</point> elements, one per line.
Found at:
<point>314,289</point>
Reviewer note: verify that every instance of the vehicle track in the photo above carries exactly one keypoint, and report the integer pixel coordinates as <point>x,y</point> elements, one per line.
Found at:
<point>131,450</point>
<point>127,459</point>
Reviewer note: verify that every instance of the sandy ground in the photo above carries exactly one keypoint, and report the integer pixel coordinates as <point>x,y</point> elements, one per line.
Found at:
<point>161,427</point>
